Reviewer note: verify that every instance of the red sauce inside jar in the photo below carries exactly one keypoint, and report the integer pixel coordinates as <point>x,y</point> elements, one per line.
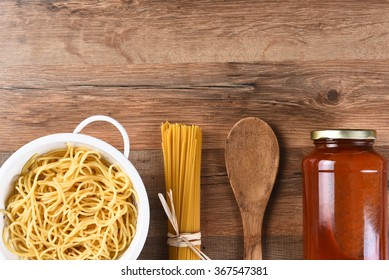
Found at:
<point>345,197</point>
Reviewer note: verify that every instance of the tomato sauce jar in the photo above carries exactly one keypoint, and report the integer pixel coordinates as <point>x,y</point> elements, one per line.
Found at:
<point>344,197</point>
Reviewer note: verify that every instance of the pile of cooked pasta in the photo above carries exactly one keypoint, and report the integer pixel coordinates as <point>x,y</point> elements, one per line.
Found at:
<point>70,204</point>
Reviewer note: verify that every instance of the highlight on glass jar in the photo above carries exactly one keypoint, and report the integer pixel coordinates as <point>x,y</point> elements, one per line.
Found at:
<point>345,197</point>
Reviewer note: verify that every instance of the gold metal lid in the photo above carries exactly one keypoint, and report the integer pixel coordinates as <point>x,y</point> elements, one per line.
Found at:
<point>343,134</point>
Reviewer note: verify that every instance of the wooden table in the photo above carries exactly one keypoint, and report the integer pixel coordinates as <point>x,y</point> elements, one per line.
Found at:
<point>298,65</point>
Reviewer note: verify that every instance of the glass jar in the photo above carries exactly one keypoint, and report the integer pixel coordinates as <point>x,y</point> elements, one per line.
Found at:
<point>344,197</point>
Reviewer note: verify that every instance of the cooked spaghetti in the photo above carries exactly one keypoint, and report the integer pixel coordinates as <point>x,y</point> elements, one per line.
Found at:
<point>70,204</point>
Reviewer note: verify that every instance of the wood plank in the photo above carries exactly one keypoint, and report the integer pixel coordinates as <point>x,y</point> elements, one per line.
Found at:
<point>292,77</point>
<point>112,32</point>
<point>293,98</point>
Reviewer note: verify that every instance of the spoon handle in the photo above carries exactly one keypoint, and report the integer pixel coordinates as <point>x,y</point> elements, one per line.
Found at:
<point>252,234</point>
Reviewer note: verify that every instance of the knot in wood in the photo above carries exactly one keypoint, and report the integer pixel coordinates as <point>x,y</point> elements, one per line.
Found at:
<point>330,98</point>
<point>333,96</point>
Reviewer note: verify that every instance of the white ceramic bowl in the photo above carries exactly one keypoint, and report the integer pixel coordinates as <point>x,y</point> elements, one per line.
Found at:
<point>12,167</point>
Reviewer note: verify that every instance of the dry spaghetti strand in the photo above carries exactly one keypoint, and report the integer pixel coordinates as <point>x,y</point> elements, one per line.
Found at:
<point>70,204</point>
<point>181,146</point>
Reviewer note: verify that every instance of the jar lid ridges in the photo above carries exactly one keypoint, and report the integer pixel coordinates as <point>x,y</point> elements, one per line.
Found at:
<point>344,134</point>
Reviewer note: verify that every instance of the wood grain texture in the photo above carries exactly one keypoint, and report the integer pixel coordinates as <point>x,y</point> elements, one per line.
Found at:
<point>121,32</point>
<point>298,65</point>
<point>293,98</point>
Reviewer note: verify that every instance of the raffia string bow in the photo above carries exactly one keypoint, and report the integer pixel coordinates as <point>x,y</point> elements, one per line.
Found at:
<point>180,239</point>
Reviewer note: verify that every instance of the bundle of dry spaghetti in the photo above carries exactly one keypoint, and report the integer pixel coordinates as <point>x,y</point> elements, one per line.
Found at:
<point>181,146</point>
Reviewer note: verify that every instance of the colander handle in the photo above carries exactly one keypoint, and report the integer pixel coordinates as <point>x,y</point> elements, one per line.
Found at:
<point>121,129</point>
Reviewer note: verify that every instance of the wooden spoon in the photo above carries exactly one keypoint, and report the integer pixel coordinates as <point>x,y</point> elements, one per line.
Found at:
<point>252,157</point>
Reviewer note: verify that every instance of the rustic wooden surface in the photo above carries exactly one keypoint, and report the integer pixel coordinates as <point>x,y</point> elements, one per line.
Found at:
<point>298,65</point>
